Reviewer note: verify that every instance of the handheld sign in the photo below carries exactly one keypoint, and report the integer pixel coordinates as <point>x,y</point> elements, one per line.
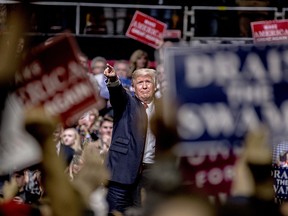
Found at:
<point>146,29</point>
<point>52,77</point>
<point>280,170</point>
<point>172,33</point>
<point>221,93</point>
<point>270,31</point>
<point>280,175</point>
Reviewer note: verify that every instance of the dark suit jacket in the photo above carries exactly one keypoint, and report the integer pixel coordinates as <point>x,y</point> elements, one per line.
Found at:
<point>128,138</point>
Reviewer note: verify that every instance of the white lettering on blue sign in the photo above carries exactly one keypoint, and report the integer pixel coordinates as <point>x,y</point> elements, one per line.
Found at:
<point>223,67</point>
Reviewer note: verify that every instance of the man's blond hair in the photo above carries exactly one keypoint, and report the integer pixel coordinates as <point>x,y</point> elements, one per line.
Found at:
<point>143,72</point>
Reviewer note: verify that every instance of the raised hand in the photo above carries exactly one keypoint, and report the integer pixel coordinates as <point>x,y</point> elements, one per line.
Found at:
<point>39,124</point>
<point>110,73</point>
<point>10,189</point>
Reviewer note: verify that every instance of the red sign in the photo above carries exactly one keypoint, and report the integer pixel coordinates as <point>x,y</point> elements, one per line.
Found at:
<point>172,33</point>
<point>209,171</point>
<point>52,77</point>
<point>146,29</point>
<point>270,31</point>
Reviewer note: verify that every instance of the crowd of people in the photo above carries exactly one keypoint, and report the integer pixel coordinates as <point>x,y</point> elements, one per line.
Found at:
<point>93,139</point>
<point>118,160</point>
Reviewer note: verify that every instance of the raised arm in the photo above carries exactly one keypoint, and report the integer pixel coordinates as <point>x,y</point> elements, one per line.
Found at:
<point>110,74</point>
<point>68,201</point>
<point>118,95</point>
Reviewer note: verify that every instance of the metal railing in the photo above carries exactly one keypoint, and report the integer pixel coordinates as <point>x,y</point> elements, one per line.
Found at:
<point>188,31</point>
<point>79,5</point>
<point>189,18</point>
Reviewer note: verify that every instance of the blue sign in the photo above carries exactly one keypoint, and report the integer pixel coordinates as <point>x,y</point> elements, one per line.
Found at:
<point>280,186</point>
<point>220,94</point>
<point>223,92</point>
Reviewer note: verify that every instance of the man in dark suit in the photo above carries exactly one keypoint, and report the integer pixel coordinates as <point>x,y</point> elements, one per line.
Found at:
<point>132,148</point>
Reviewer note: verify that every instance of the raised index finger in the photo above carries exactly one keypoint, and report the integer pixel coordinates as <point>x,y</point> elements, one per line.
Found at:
<point>109,70</point>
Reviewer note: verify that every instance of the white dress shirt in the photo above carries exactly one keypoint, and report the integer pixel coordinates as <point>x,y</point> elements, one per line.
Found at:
<point>149,151</point>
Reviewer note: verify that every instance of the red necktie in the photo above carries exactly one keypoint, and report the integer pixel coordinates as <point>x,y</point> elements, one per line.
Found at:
<point>145,105</point>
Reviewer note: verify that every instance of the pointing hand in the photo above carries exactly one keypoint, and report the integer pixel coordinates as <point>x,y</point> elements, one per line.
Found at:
<point>110,73</point>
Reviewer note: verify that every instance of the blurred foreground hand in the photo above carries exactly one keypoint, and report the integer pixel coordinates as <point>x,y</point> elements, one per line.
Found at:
<point>39,124</point>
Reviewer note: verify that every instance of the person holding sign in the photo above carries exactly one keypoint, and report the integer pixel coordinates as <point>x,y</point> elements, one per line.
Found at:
<point>283,159</point>
<point>132,149</point>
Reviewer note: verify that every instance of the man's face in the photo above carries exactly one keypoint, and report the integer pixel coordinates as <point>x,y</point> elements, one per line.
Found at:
<point>98,67</point>
<point>57,134</point>
<point>83,61</point>
<point>122,70</point>
<point>144,88</point>
<point>106,128</point>
<point>68,137</point>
